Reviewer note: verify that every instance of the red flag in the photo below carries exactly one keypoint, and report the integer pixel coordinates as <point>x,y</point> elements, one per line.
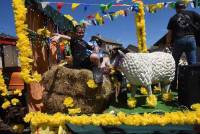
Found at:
<point>90,17</point>
<point>59,6</point>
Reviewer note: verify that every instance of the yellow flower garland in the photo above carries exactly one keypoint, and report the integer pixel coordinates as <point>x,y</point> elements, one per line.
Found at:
<point>174,118</point>
<point>140,27</point>
<point>3,88</point>
<point>23,43</point>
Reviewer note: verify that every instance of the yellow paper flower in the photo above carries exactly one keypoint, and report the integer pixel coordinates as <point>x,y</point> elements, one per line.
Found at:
<point>196,107</point>
<point>73,111</point>
<point>14,101</point>
<point>167,96</point>
<point>151,101</point>
<point>18,92</point>
<point>6,104</point>
<point>43,32</point>
<point>143,91</point>
<point>156,89</point>
<point>131,102</point>
<point>68,102</point>
<point>91,84</point>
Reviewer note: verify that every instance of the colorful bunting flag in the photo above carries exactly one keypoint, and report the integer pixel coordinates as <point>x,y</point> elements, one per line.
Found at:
<point>90,17</point>
<point>69,17</point>
<point>105,8</point>
<point>59,6</point>
<point>74,6</point>
<point>85,8</point>
<point>99,19</point>
<point>44,4</point>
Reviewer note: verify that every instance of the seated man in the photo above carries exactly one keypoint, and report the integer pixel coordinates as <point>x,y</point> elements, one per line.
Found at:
<point>83,57</point>
<point>82,53</point>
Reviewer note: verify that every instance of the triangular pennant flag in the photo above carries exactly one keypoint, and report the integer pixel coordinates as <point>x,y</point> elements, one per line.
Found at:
<point>44,4</point>
<point>166,4</point>
<point>74,6</point>
<point>109,6</point>
<point>94,22</point>
<point>172,5</point>
<point>117,1</point>
<point>85,8</point>
<point>69,17</point>
<point>99,19</point>
<point>103,8</point>
<point>59,6</point>
<point>90,17</point>
<point>147,8</point>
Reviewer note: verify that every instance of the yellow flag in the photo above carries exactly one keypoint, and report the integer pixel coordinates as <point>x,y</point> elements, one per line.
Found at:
<point>69,17</point>
<point>99,19</point>
<point>74,6</point>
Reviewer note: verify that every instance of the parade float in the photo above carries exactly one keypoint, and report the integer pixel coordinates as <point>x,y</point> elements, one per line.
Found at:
<point>63,100</point>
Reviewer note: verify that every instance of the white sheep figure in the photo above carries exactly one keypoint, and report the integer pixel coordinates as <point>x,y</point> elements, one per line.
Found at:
<point>145,69</point>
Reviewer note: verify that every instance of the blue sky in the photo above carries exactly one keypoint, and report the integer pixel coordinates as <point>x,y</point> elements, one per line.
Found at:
<point>121,29</point>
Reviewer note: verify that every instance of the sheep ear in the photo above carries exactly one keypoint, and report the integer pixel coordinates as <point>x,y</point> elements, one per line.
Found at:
<point>121,53</point>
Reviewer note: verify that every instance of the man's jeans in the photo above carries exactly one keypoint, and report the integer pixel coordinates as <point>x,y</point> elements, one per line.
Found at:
<point>185,44</point>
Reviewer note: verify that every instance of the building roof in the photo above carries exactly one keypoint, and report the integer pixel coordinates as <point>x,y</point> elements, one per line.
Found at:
<point>6,36</point>
<point>62,22</point>
<point>7,39</point>
<point>105,40</point>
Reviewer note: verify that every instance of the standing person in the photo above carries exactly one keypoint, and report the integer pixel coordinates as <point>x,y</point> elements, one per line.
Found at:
<point>181,27</point>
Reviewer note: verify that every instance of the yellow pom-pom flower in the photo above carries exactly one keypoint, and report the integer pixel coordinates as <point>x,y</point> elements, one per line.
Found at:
<point>128,86</point>
<point>143,91</point>
<point>6,104</point>
<point>131,102</point>
<point>68,102</point>
<point>14,101</point>
<point>167,97</point>
<point>18,92</point>
<point>73,111</point>
<point>151,101</point>
<point>91,84</point>
<point>196,107</point>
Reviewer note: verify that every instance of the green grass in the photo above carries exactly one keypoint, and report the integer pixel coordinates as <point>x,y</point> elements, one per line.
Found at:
<point>142,108</point>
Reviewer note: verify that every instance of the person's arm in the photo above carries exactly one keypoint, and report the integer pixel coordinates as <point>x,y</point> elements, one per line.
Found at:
<point>169,34</point>
<point>196,17</point>
<point>57,37</point>
<point>169,38</point>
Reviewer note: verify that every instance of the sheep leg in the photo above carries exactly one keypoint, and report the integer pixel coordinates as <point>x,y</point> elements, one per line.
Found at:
<point>133,90</point>
<point>149,90</point>
<point>165,87</point>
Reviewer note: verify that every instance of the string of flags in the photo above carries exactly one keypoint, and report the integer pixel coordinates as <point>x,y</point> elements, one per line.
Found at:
<point>97,19</point>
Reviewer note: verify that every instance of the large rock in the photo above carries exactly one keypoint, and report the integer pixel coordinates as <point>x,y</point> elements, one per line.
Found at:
<point>61,82</point>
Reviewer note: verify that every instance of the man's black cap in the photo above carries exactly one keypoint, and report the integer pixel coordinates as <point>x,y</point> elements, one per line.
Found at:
<point>180,4</point>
